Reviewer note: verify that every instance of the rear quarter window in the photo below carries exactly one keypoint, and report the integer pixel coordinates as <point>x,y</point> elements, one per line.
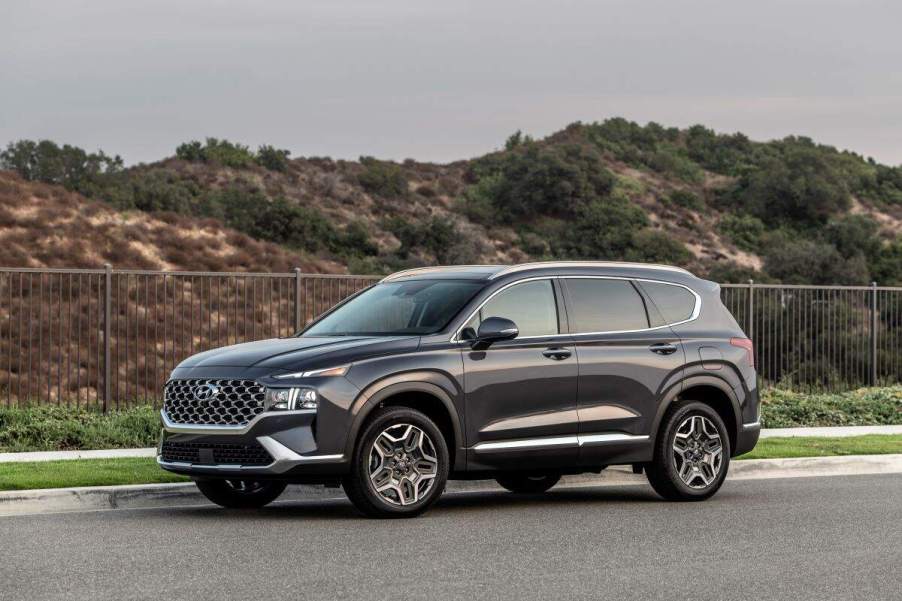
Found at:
<point>605,305</point>
<point>674,303</point>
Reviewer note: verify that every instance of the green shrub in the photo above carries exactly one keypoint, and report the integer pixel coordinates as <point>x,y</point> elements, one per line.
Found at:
<point>864,407</point>
<point>686,199</point>
<point>800,188</point>
<point>802,261</point>
<point>436,236</point>
<point>382,178</point>
<point>745,231</point>
<point>49,428</point>
<point>66,165</point>
<point>535,179</point>
<point>602,230</point>
<point>217,151</point>
<point>655,246</point>
<point>278,220</point>
<point>274,159</point>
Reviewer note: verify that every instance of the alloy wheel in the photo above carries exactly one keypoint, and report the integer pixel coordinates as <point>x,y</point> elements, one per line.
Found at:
<point>697,451</point>
<point>403,464</point>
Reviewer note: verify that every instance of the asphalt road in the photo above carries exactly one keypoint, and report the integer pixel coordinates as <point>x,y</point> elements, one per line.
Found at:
<point>801,538</point>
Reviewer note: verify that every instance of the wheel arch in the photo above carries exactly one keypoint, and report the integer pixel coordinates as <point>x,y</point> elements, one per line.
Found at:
<point>712,391</point>
<point>427,397</point>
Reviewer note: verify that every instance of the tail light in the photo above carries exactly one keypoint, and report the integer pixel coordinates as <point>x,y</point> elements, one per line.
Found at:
<point>748,346</point>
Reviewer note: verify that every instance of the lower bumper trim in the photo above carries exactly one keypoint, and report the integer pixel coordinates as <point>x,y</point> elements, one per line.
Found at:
<point>284,459</point>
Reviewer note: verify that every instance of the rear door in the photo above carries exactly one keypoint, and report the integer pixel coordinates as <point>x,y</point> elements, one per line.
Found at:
<point>626,364</point>
<point>521,393</point>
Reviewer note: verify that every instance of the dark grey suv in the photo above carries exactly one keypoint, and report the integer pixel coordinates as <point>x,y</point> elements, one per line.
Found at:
<point>521,374</point>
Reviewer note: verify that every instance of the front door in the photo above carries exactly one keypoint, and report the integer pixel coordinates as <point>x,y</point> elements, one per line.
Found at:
<point>625,366</point>
<point>521,393</point>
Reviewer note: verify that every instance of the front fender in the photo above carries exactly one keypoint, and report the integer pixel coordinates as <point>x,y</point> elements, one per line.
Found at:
<point>435,384</point>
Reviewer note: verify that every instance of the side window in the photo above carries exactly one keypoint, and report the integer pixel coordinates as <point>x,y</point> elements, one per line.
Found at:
<point>674,302</point>
<point>530,305</point>
<point>605,306</point>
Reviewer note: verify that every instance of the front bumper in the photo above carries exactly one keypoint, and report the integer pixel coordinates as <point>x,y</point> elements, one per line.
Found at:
<point>287,436</point>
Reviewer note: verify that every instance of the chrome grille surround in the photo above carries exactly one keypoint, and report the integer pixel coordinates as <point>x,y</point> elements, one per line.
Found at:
<point>213,401</point>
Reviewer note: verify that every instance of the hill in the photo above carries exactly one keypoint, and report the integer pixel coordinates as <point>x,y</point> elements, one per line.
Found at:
<point>45,225</point>
<point>787,210</point>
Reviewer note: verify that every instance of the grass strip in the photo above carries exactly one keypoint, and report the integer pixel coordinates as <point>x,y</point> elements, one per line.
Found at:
<point>83,472</point>
<point>144,470</point>
<point>870,444</point>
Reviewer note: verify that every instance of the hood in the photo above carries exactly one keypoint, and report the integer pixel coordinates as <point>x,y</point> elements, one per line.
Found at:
<point>301,353</point>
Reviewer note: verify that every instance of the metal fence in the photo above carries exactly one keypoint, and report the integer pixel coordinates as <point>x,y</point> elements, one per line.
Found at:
<point>108,338</point>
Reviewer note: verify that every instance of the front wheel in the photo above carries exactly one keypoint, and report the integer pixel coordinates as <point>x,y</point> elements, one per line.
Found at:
<point>400,465</point>
<point>241,494</point>
<point>692,454</point>
<point>528,484</point>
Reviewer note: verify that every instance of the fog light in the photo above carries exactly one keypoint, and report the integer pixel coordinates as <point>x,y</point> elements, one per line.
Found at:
<point>306,399</point>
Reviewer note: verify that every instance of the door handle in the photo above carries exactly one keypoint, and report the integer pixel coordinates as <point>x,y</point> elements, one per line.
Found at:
<point>558,354</point>
<point>664,348</point>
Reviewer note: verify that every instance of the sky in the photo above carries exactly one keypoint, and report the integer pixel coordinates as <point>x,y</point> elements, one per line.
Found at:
<point>443,80</point>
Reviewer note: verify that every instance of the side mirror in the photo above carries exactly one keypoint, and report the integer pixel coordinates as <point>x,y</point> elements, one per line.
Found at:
<point>492,330</point>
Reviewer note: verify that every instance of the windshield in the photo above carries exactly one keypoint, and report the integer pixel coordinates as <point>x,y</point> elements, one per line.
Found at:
<point>398,308</point>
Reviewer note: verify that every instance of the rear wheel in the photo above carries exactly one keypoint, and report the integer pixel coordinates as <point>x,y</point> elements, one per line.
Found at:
<point>241,494</point>
<point>400,465</point>
<point>528,484</point>
<point>692,454</point>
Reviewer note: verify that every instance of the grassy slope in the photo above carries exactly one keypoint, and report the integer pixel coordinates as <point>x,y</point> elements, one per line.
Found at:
<point>100,472</point>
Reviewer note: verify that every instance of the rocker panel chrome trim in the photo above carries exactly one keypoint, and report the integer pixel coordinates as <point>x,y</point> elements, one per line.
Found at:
<point>577,441</point>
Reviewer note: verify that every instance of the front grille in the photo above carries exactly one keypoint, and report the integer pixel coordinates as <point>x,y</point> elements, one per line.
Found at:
<point>213,402</point>
<point>219,453</point>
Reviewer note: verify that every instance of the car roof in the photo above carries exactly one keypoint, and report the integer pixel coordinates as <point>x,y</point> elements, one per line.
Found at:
<point>496,272</point>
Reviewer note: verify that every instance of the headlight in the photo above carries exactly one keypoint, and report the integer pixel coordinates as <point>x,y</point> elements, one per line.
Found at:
<point>283,399</point>
<point>320,373</point>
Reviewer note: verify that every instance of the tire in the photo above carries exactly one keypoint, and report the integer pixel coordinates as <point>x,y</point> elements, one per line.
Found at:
<point>410,446</point>
<point>528,484</point>
<point>241,494</point>
<point>686,466</point>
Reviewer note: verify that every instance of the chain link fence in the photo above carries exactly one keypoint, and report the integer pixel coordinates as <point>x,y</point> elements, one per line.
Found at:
<point>108,338</point>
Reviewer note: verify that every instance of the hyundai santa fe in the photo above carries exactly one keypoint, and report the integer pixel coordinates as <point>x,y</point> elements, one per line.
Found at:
<point>518,373</point>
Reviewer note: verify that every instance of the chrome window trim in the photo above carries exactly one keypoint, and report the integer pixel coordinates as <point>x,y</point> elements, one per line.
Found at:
<point>575,440</point>
<point>456,336</point>
<point>217,429</point>
<point>695,312</point>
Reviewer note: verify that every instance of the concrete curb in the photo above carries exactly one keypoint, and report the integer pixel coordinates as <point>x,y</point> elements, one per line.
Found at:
<point>67,455</point>
<point>830,432</point>
<point>825,432</point>
<point>146,496</point>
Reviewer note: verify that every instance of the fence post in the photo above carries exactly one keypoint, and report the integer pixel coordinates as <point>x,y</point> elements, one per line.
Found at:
<point>750,330</point>
<point>107,313</point>
<point>873,348</point>
<point>297,300</point>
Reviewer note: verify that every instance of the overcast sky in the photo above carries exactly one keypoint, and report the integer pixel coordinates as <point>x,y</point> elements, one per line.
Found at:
<point>443,80</point>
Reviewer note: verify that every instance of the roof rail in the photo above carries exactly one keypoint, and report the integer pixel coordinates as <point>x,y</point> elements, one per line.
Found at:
<point>400,274</point>
<point>525,266</point>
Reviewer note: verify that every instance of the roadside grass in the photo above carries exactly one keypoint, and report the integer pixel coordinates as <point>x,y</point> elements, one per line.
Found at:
<point>83,472</point>
<point>144,470</point>
<point>780,448</point>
